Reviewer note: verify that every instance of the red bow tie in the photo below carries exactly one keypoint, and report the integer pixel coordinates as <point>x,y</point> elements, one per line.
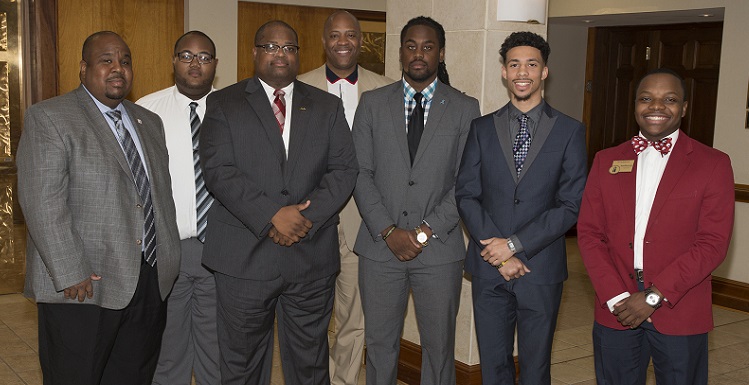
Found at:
<point>639,144</point>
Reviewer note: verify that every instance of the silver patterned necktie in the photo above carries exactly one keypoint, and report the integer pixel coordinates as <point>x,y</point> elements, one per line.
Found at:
<point>522,143</point>
<point>141,182</point>
<point>203,199</point>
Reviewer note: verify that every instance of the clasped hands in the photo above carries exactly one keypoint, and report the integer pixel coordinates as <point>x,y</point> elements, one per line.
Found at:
<point>633,310</point>
<point>498,254</point>
<point>289,225</point>
<point>403,244</point>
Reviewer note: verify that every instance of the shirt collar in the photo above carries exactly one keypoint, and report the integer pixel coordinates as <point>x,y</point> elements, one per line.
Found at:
<point>534,113</point>
<point>103,108</point>
<point>333,78</point>
<point>183,100</point>
<point>428,91</point>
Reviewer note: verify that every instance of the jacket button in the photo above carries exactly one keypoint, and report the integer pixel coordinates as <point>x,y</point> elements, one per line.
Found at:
<point>517,201</point>
<point>139,241</point>
<point>284,192</point>
<point>139,206</point>
<point>411,183</point>
<point>405,213</point>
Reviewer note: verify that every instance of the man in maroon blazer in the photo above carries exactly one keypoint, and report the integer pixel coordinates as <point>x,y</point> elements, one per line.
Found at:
<point>655,221</point>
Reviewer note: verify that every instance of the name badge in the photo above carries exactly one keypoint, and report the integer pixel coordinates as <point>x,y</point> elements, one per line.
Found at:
<point>621,166</point>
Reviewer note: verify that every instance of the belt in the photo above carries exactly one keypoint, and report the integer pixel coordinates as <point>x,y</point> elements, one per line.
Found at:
<point>638,275</point>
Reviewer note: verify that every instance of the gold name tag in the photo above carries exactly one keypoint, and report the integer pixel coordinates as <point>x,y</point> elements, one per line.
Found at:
<point>621,166</point>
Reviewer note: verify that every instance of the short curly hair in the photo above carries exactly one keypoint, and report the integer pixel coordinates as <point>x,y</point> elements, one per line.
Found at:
<point>525,38</point>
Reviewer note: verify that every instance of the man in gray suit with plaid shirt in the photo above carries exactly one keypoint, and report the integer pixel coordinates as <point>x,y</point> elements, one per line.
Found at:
<point>103,249</point>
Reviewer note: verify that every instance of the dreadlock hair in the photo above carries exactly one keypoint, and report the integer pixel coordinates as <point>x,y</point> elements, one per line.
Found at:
<point>437,27</point>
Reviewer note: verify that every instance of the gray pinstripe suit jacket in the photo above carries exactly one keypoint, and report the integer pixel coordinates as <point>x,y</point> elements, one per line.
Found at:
<point>82,210</point>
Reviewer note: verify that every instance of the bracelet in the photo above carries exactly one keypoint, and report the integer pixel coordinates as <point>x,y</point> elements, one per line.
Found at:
<point>392,228</point>
<point>502,264</point>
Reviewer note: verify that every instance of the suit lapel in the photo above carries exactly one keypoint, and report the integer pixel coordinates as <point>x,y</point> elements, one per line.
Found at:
<point>627,186</point>
<point>399,121</point>
<point>502,127</point>
<point>677,165</point>
<point>300,118</point>
<point>436,111</point>
<point>258,102</point>
<point>100,127</point>
<point>543,130</point>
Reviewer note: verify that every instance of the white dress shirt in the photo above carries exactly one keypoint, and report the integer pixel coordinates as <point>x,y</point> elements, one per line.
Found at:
<point>349,94</point>
<point>289,96</point>
<point>174,110</point>
<point>650,167</point>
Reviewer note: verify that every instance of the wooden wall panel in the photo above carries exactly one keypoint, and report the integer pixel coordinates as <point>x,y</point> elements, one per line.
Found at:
<point>149,27</point>
<point>308,23</point>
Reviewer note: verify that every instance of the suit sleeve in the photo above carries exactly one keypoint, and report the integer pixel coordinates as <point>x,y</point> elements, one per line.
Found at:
<point>713,236</point>
<point>469,190</point>
<point>367,196</point>
<point>225,180</point>
<point>43,190</point>
<point>554,222</point>
<point>593,240</point>
<point>444,217</point>
<point>336,185</point>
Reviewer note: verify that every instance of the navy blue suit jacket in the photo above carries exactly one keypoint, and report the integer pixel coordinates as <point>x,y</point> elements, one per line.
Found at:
<point>538,207</point>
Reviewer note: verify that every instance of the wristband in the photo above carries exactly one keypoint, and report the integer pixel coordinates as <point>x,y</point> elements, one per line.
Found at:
<point>392,228</point>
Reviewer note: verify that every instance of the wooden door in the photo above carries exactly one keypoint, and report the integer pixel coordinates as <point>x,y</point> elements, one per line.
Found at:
<point>620,56</point>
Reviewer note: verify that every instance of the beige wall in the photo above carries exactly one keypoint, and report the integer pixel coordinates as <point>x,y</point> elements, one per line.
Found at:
<point>564,89</point>
<point>730,134</point>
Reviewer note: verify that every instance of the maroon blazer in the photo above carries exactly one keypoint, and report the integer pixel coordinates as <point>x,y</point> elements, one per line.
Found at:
<point>687,235</point>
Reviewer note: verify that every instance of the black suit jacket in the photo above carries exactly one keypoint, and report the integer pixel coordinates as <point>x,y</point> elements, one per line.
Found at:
<point>245,167</point>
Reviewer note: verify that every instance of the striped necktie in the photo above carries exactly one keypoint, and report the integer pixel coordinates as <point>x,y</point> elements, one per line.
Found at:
<point>279,108</point>
<point>522,143</point>
<point>203,199</point>
<point>141,182</point>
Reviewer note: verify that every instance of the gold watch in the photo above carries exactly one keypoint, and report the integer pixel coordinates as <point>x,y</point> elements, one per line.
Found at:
<point>421,236</point>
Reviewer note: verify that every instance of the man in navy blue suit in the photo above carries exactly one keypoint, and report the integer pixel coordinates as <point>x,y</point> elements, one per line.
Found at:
<point>518,191</point>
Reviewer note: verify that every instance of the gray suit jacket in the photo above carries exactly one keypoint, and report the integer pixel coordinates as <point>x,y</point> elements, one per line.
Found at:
<point>242,155</point>
<point>368,80</point>
<point>81,205</point>
<point>390,191</point>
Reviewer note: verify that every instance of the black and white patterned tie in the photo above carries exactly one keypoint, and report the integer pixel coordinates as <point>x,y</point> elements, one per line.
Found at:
<point>203,199</point>
<point>141,182</point>
<point>522,143</point>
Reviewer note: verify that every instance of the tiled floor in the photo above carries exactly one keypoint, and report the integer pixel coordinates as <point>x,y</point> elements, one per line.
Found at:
<point>572,356</point>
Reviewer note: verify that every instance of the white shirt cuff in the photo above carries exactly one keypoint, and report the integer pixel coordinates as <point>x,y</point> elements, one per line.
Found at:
<point>616,300</point>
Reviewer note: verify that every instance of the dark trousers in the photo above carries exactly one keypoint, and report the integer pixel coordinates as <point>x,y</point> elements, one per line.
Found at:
<point>246,313</point>
<point>499,307</point>
<point>85,344</point>
<point>622,356</point>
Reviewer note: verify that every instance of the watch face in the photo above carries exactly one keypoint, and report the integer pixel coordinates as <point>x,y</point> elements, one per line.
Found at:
<point>652,299</point>
<point>422,237</point>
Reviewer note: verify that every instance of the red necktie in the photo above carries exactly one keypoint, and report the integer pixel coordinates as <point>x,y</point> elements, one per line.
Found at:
<point>279,108</point>
<point>639,144</point>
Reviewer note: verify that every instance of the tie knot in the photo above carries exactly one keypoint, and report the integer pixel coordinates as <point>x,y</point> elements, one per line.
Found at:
<point>523,119</point>
<point>193,106</point>
<point>279,93</point>
<point>115,115</point>
<point>639,144</point>
<point>418,97</point>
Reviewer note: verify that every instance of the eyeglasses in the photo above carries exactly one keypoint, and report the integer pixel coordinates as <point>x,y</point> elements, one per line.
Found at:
<point>187,57</point>
<point>272,49</point>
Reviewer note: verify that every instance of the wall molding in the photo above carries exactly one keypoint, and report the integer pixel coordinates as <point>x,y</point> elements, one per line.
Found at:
<point>409,367</point>
<point>742,193</point>
<point>731,294</point>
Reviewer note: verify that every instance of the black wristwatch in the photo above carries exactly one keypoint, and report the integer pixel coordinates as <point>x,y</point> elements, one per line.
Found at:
<point>652,298</point>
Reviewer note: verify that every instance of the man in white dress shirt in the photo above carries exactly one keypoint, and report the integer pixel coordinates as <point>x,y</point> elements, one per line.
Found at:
<point>190,342</point>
